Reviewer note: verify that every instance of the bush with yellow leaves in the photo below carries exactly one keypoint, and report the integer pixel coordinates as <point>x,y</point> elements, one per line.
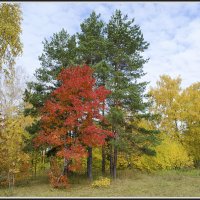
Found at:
<point>101,182</point>
<point>122,161</point>
<point>170,154</point>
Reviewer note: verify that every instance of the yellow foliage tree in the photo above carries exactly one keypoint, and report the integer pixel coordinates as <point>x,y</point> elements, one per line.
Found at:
<point>169,155</point>
<point>167,102</point>
<point>165,97</point>
<point>10,30</point>
<point>190,115</point>
<point>12,158</point>
<point>12,126</point>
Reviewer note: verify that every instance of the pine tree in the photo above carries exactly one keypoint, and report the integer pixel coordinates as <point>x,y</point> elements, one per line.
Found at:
<point>91,41</point>
<point>125,43</point>
<point>58,53</point>
<point>92,51</point>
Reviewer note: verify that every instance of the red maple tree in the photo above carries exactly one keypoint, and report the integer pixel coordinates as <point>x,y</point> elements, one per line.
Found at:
<point>70,117</point>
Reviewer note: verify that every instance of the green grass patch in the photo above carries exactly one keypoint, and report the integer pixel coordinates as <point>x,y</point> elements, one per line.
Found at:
<point>130,183</point>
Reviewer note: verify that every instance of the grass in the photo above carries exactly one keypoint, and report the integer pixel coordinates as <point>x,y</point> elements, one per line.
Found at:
<point>130,183</point>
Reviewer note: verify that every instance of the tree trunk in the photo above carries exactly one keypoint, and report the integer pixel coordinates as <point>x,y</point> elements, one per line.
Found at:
<point>65,163</point>
<point>103,167</point>
<point>111,162</point>
<point>89,164</point>
<point>115,163</point>
<point>9,183</point>
<point>13,180</point>
<point>103,161</point>
<point>65,170</point>
<point>35,165</point>
<point>32,164</point>
<point>43,156</point>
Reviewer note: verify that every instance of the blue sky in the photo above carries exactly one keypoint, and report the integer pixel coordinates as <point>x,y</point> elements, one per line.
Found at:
<point>171,28</point>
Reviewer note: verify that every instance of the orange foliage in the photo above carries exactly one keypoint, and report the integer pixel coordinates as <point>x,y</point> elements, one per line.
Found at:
<point>57,179</point>
<point>69,116</point>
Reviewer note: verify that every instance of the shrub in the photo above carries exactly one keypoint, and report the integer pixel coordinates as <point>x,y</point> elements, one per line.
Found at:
<point>122,161</point>
<point>57,180</point>
<point>101,182</point>
<point>169,155</point>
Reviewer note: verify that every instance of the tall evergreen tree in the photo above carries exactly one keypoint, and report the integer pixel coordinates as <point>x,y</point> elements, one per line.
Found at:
<point>91,41</point>
<point>91,49</point>
<point>59,53</point>
<point>125,45</point>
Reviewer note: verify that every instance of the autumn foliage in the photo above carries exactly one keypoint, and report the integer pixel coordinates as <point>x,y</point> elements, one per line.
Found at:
<point>56,178</point>
<point>70,117</point>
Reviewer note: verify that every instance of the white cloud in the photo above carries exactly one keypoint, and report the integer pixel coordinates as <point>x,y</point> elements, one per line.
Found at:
<point>172,28</point>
